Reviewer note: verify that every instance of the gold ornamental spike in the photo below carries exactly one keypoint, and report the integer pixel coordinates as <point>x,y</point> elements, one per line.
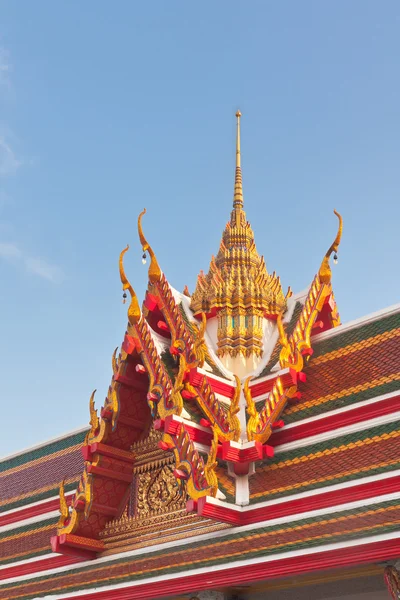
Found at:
<point>114,361</point>
<point>154,269</point>
<point>325,273</point>
<point>64,511</point>
<point>94,419</point>
<point>238,190</point>
<point>134,308</point>
<point>283,340</point>
<point>289,293</point>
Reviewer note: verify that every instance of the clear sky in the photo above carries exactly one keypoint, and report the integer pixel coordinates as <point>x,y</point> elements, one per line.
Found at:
<point>107,107</point>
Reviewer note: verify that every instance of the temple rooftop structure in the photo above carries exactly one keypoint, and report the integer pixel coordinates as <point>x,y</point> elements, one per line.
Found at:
<point>247,447</point>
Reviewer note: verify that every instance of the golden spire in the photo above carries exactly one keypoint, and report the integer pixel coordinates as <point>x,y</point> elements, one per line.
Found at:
<point>238,286</point>
<point>238,190</point>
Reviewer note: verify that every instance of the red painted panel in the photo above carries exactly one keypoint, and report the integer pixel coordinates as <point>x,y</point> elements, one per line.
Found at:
<point>219,387</point>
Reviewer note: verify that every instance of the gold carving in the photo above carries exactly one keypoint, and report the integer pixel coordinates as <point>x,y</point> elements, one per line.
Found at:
<point>209,468</point>
<point>250,404</point>
<point>115,361</point>
<point>84,494</point>
<point>325,273</point>
<point>199,346</point>
<point>64,510</point>
<point>201,481</point>
<point>154,269</point>
<point>175,399</point>
<point>238,286</point>
<point>134,308</point>
<point>289,355</point>
<point>158,512</point>
<point>94,419</point>
<point>286,351</point>
<point>158,492</point>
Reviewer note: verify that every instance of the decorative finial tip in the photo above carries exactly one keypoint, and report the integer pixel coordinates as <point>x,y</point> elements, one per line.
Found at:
<point>238,114</point>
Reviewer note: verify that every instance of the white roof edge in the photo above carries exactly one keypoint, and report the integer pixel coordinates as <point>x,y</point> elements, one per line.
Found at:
<point>43,444</point>
<point>298,295</point>
<point>356,323</point>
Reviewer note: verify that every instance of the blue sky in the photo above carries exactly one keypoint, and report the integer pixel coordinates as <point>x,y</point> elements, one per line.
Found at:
<point>107,107</point>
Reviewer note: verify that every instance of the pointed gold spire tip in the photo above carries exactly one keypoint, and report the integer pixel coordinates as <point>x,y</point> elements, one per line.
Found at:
<point>238,190</point>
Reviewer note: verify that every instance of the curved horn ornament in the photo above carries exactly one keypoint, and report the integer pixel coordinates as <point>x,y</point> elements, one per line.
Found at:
<point>134,308</point>
<point>154,268</point>
<point>325,273</point>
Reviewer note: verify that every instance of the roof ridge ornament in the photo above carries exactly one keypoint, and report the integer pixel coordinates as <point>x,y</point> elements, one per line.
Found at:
<point>94,418</point>
<point>64,510</point>
<point>325,272</point>
<point>134,308</point>
<point>154,269</point>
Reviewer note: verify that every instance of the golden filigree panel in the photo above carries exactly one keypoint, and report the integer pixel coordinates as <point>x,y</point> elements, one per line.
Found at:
<point>158,491</point>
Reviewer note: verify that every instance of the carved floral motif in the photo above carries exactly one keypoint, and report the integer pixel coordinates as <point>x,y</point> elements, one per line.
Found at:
<point>158,491</point>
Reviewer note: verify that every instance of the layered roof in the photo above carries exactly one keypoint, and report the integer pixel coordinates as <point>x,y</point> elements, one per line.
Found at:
<point>193,464</point>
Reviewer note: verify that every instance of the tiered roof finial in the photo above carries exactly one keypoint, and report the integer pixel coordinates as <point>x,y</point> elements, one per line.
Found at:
<point>238,287</point>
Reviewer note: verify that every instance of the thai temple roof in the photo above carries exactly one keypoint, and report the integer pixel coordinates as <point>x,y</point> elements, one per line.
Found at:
<point>246,436</point>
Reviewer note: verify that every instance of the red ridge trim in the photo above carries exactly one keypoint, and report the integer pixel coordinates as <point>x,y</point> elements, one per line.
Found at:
<point>258,389</point>
<point>130,344</point>
<point>234,454</point>
<point>150,301</point>
<point>354,555</point>
<point>245,455</point>
<point>173,426</point>
<point>327,423</point>
<point>225,514</point>
<point>218,387</point>
<point>33,511</point>
<point>256,514</point>
<point>37,566</point>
